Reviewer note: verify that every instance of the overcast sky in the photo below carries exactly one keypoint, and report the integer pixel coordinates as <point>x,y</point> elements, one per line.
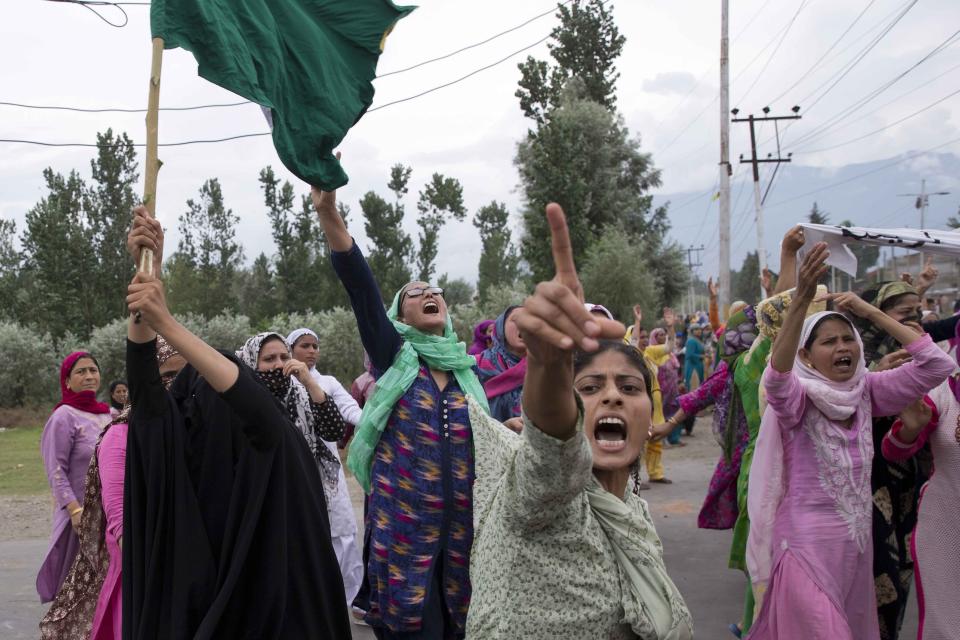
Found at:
<point>60,54</point>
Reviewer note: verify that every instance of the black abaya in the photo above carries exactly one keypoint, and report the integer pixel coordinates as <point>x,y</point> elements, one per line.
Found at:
<point>225,524</point>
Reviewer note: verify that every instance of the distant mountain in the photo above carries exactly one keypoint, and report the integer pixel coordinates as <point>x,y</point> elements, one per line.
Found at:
<point>866,194</point>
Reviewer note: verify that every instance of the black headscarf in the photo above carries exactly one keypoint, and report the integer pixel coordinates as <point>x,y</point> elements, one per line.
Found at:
<point>225,524</point>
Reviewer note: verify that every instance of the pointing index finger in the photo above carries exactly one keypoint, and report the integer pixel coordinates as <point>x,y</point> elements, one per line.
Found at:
<point>560,242</point>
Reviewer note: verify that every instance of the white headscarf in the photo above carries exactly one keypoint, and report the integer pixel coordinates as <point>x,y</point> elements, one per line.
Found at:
<point>296,334</point>
<point>834,401</point>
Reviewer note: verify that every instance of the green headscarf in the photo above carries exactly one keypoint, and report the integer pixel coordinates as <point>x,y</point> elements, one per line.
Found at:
<point>445,353</point>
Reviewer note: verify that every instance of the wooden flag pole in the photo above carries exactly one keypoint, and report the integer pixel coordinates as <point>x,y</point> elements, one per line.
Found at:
<point>153,162</point>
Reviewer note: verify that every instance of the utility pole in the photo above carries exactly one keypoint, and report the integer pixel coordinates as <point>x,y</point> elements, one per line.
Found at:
<point>923,201</point>
<point>691,265</point>
<point>755,161</point>
<point>725,171</point>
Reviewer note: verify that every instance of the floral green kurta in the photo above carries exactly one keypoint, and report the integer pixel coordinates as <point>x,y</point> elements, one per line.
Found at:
<point>555,556</point>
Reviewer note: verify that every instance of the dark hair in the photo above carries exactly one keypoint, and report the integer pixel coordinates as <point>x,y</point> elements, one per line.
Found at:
<point>115,384</point>
<point>270,339</point>
<point>813,333</point>
<point>83,356</point>
<point>582,359</point>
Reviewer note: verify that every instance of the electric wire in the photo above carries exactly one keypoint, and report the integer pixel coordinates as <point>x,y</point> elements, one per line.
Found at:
<point>881,129</point>
<point>252,135</point>
<point>863,101</point>
<point>820,60</point>
<point>476,44</point>
<point>833,185</point>
<point>897,15</point>
<point>773,54</point>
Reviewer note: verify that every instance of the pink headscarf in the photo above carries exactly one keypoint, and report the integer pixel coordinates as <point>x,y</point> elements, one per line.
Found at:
<point>82,400</point>
<point>834,402</point>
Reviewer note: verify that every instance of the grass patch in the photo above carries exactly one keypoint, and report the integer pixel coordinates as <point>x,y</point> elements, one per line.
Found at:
<point>21,468</point>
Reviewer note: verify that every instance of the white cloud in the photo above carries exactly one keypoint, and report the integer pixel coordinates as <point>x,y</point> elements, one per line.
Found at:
<point>61,54</point>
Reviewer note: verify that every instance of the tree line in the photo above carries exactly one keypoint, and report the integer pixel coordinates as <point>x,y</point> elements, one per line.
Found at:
<point>65,272</point>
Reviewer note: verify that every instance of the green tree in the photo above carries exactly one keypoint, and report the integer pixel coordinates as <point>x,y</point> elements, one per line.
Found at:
<point>817,215</point>
<point>259,291</point>
<point>615,273</point>
<point>392,247</point>
<point>665,262</point>
<point>202,273</point>
<point>109,203</point>
<point>498,260</point>
<point>584,45</point>
<point>60,260</point>
<point>441,197</point>
<point>12,290</point>
<point>456,291</point>
<point>584,159</point>
<point>300,245</point>
<point>746,282</point>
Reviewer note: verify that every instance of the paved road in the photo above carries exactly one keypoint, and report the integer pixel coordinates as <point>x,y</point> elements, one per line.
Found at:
<point>696,558</point>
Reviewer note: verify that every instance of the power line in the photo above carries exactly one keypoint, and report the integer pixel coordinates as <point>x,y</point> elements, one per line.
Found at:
<point>851,109</point>
<point>909,93</point>
<point>816,64</point>
<point>847,67</point>
<point>135,144</point>
<point>713,67</point>
<point>876,131</point>
<point>832,185</point>
<point>89,3</point>
<point>461,78</point>
<point>774,52</point>
<point>477,44</point>
<point>699,115</point>
<point>252,135</point>
<point>121,109</point>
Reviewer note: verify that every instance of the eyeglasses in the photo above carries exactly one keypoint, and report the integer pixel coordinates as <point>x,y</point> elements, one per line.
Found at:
<point>416,292</point>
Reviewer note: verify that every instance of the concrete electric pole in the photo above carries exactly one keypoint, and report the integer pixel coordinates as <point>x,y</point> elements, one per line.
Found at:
<point>724,275</point>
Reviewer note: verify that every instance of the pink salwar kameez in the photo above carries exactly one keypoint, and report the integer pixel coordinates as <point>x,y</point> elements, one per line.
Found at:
<point>810,501</point>
<point>112,456</point>
<point>935,544</point>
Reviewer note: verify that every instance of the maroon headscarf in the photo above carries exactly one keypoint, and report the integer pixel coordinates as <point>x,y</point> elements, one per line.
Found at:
<point>82,400</point>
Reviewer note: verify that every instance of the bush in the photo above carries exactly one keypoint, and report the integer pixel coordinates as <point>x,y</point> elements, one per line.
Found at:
<point>31,370</point>
<point>467,316</point>
<point>341,353</point>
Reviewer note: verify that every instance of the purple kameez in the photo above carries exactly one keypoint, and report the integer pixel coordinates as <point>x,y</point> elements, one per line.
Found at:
<point>720,509</point>
<point>67,444</point>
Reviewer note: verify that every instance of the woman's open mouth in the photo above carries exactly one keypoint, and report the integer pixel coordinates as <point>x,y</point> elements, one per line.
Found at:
<point>843,363</point>
<point>610,433</point>
<point>431,308</point>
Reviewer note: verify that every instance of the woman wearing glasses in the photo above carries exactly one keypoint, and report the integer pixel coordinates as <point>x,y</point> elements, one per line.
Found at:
<point>413,449</point>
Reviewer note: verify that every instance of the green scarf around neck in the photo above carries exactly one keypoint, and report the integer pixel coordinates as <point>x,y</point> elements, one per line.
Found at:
<point>445,353</point>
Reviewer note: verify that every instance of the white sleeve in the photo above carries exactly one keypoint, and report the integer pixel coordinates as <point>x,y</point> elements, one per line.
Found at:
<point>348,407</point>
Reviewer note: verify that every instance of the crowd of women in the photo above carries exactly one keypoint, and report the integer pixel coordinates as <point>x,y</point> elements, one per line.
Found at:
<point>209,499</point>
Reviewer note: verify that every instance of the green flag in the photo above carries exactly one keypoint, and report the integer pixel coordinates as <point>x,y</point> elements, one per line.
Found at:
<point>311,62</point>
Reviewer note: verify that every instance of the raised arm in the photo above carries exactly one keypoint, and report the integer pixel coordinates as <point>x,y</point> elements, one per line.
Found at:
<point>380,339</point>
<point>334,228</point>
<point>791,245</point>
<point>714,310</point>
<point>554,323</point>
<point>787,344</point>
